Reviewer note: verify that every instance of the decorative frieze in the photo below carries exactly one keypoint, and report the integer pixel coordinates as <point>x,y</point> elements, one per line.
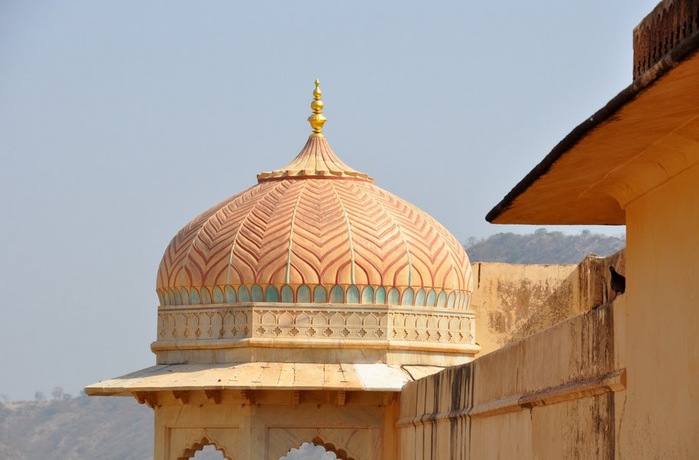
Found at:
<point>308,324</point>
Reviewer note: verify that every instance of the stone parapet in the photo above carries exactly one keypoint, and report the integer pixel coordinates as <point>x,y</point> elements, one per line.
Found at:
<point>243,332</point>
<point>664,29</point>
<point>561,380</point>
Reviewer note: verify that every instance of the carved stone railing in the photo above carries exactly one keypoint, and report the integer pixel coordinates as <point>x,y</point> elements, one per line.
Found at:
<point>309,326</point>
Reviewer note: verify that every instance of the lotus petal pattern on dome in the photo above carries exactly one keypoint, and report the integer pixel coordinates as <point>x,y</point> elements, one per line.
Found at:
<point>315,231</point>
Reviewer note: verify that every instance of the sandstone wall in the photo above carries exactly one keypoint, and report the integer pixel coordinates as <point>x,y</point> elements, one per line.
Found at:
<point>513,301</point>
<point>551,395</point>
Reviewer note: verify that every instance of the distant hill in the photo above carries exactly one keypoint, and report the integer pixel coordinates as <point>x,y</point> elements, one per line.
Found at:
<point>82,428</point>
<point>542,247</point>
<point>76,429</point>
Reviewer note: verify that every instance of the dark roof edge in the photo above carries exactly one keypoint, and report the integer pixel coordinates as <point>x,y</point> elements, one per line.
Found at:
<point>674,57</point>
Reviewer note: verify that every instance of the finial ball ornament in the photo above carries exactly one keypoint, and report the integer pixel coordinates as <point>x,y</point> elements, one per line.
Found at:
<point>317,119</point>
<point>317,106</point>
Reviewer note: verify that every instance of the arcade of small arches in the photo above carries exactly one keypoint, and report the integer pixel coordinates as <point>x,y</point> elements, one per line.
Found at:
<point>337,294</point>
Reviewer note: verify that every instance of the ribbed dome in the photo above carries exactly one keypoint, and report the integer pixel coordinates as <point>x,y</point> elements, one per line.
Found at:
<point>315,231</point>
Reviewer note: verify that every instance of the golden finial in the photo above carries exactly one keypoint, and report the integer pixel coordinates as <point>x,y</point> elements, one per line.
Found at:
<point>317,119</point>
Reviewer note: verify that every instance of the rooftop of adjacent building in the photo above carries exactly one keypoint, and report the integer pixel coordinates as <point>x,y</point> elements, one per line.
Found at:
<point>613,155</point>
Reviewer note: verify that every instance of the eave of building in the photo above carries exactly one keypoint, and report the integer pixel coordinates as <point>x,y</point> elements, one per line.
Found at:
<point>262,376</point>
<point>646,134</point>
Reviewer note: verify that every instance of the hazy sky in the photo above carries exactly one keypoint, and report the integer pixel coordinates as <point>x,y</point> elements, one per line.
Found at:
<point>121,121</point>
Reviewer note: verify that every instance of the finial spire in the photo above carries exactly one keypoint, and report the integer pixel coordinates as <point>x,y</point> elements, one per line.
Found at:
<point>317,119</point>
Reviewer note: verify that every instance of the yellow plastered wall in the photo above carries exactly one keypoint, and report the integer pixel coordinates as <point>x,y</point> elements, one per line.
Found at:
<point>661,411</point>
<point>620,381</point>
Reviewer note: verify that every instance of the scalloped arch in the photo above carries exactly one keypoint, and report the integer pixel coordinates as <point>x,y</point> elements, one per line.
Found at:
<point>341,454</point>
<point>198,446</point>
<point>330,447</point>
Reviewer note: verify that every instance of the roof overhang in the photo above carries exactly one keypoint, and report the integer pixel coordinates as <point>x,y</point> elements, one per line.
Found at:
<point>262,376</point>
<point>646,134</point>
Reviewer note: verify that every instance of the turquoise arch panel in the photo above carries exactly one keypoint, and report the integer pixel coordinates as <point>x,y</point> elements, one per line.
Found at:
<point>420,298</point>
<point>217,295</point>
<point>205,295</point>
<point>256,293</point>
<point>185,296</point>
<point>287,294</point>
<point>230,295</point>
<point>431,298</point>
<point>381,295</point>
<point>368,295</point>
<point>271,294</point>
<point>243,294</point>
<point>320,295</point>
<point>353,294</point>
<point>393,297</point>
<point>337,294</point>
<point>304,294</point>
<point>408,297</point>
<point>194,296</point>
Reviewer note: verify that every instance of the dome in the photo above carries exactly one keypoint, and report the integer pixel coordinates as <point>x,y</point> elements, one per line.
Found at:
<point>315,231</point>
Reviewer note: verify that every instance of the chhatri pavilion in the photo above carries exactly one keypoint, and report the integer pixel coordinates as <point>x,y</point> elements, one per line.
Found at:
<point>295,312</point>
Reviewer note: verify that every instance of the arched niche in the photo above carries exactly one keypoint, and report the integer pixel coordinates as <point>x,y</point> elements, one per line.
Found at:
<point>317,449</point>
<point>205,450</point>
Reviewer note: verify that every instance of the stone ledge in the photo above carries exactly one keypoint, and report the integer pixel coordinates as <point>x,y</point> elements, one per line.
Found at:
<point>577,389</point>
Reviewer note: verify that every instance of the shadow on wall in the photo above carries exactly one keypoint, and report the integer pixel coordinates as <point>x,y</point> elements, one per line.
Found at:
<point>513,301</point>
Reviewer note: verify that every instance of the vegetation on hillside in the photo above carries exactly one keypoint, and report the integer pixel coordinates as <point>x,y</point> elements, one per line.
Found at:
<point>542,247</point>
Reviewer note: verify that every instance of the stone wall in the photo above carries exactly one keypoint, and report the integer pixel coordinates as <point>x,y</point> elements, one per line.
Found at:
<point>513,301</point>
<point>551,395</point>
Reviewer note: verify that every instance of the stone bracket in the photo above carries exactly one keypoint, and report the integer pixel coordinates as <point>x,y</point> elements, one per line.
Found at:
<point>214,395</point>
<point>182,396</point>
<point>149,398</point>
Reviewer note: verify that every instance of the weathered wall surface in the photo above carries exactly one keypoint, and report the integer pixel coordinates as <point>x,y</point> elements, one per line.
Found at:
<point>513,301</point>
<point>619,381</point>
<point>551,395</point>
<point>662,340</point>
